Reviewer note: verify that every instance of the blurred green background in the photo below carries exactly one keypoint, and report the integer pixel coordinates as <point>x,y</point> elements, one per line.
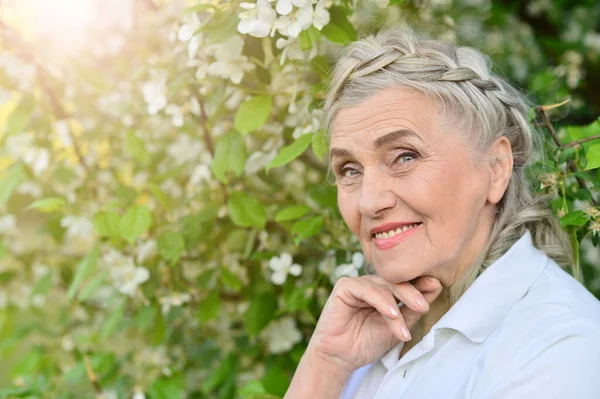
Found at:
<point>167,225</point>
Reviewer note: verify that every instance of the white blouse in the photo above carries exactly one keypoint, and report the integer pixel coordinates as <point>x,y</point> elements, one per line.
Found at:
<point>524,329</point>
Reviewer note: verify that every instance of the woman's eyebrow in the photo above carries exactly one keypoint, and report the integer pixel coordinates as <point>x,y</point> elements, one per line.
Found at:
<point>339,152</point>
<point>379,142</point>
<point>393,136</point>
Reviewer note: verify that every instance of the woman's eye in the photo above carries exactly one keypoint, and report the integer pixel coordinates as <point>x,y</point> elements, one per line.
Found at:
<point>348,172</point>
<point>405,157</point>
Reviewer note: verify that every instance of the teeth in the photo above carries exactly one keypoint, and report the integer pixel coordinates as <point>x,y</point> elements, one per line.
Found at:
<point>392,233</point>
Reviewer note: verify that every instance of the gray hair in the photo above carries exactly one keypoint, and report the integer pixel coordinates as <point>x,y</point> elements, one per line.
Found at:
<point>471,97</point>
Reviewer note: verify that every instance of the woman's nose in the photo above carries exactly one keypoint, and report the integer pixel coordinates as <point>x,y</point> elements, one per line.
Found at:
<point>376,196</point>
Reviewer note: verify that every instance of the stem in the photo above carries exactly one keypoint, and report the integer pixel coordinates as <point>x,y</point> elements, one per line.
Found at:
<point>92,376</point>
<point>577,142</point>
<point>570,164</point>
<point>203,120</point>
<point>42,76</point>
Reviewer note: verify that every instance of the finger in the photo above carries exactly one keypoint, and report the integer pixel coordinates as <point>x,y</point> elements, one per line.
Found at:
<point>430,294</point>
<point>410,296</point>
<point>380,298</point>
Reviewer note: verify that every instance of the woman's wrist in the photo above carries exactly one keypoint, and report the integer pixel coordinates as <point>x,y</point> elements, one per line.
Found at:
<point>319,376</point>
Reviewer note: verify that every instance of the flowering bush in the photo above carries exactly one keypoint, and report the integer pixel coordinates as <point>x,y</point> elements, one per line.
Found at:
<point>167,225</point>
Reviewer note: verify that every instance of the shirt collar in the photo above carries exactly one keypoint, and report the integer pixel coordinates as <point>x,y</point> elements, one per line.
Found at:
<point>485,304</point>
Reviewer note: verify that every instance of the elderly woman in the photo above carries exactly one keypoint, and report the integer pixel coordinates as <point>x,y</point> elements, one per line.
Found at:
<point>429,150</point>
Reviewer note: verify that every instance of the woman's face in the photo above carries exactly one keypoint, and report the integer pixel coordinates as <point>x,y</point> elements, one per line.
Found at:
<point>410,189</point>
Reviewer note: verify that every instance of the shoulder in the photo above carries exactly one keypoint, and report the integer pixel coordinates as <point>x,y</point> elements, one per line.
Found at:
<point>549,343</point>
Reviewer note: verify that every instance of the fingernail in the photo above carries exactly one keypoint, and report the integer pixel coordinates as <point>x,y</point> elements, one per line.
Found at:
<point>421,302</point>
<point>393,312</point>
<point>434,280</point>
<point>406,333</point>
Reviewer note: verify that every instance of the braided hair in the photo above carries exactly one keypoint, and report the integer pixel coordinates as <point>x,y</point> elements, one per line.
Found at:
<point>474,100</point>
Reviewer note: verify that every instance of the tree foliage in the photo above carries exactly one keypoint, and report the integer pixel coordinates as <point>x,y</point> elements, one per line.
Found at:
<point>167,225</point>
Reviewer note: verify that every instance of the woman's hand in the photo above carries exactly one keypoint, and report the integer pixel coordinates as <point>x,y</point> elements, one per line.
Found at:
<point>361,320</point>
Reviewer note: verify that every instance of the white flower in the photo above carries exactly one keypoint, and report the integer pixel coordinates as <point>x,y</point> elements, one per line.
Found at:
<point>38,159</point>
<point>132,277</point>
<point>30,188</point>
<point>230,63</point>
<point>176,114</point>
<point>281,335</point>
<point>291,25</point>
<point>155,95</point>
<point>284,7</point>
<point>138,393</point>
<point>258,160</point>
<point>291,49</point>
<point>282,266</point>
<point>320,16</point>
<point>258,20</point>
<point>67,343</point>
<point>175,299</point>
<point>201,174</point>
<point>185,149</point>
<point>147,250</point>
<point>350,269</point>
<point>125,274</point>
<point>80,235</point>
<point>8,224</point>
<point>62,131</point>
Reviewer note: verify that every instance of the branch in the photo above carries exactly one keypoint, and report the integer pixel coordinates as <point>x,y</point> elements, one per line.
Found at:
<point>203,120</point>
<point>42,76</point>
<point>570,164</point>
<point>577,142</point>
<point>92,376</point>
<point>542,112</point>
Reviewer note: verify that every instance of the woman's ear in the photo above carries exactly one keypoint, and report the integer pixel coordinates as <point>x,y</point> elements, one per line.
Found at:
<point>501,164</point>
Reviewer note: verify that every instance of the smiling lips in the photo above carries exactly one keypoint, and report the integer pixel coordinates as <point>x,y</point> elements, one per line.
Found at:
<point>387,236</point>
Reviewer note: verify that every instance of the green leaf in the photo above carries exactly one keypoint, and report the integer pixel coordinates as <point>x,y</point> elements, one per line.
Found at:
<point>566,154</point>
<point>576,218</point>
<point>308,37</point>
<point>160,196</point>
<point>137,149</point>
<point>91,287</point>
<point>166,388</point>
<point>170,245</point>
<point>291,213</point>
<point>210,307</point>
<point>276,381</point>
<point>320,144</point>
<point>137,221</point>
<point>10,182</point>
<point>289,153</point>
<point>230,279</point>
<point>307,228</point>
<point>50,204</point>
<point>246,211</point>
<point>43,286</point>
<point>321,66</point>
<point>160,328</point>
<point>20,117</point>
<point>230,154</point>
<point>593,157</point>
<point>251,389</point>
<point>112,323</point>
<point>339,29</point>
<point>86,265</point>
<point>260,313</point>
<point>107,224</point>
<point>253,113</point>
<point>221,27</point>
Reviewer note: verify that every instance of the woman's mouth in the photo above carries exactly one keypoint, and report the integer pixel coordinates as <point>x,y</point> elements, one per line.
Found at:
<point>389,238</point>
